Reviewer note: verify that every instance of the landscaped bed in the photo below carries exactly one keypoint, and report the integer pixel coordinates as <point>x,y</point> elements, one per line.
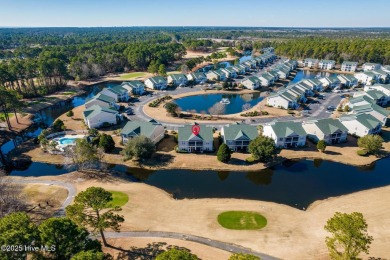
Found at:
<point>242,220</point>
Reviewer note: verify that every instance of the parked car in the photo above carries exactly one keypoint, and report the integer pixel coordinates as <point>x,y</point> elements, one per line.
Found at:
<point>331,108</point>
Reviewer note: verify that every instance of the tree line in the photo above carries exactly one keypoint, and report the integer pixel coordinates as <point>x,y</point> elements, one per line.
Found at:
<point>48,70</point>
<point>360,50</point>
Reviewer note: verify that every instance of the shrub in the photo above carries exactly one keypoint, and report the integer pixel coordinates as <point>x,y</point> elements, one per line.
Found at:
<point>139,147</point>
<point>321,146</point>
<point>158,101</point>
<point>171,108</point>
<point>93,132</point>
<point>224,153</point>
<point>174,253</point>
<point>264,113</point>
<point>70,113</point>
<point>250,114</point>
<point>371,143</point>
<point>263,148</point>
<point>58,125</point>
<point>250,159</point>
<point>106,143</point>
<point>362,152</point>
<point>346,108</point>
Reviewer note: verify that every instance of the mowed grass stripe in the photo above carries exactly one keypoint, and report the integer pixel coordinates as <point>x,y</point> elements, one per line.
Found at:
<point>119,199</point>
<point>242,220</point>
<point>132,75</point>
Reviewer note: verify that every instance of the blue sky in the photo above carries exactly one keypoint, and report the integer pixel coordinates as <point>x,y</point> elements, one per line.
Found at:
<point>286,13</point>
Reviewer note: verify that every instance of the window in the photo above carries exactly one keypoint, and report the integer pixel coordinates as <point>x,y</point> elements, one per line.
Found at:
<point>281,139</point>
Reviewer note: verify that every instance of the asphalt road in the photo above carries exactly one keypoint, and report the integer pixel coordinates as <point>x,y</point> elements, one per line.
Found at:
<point>202,240</point>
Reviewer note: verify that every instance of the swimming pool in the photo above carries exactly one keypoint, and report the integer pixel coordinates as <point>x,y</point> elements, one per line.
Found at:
<point>67,140</point>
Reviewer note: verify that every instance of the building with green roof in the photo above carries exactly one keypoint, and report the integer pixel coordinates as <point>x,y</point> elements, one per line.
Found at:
<point>251,82</point>
<point>117,92</point>
<point>238,136</point>
<point>350,66</point>
<point>326,64</point>
<point>286,134</point>
<point>202,142</point>
<point>310,63</point>
<point>96,116</point>
<point>376,96</point>
<point>332,131</point>
<point>197,77</point>
<point>101,100</point>
<point>156,82</point>
<point>151,129</point>
<point>216,75</point>
<point>177,79</point>
<point>348,80</point>
<point>361,125</point>
<point>135,87</point>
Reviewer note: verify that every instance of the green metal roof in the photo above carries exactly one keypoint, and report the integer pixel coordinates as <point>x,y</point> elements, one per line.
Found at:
<point>198,75</point>
<point>178,76</point>
<point>368,120</point>
<point>140,128</point>
<point>380,110</point>
<point>285,129</point>
<point>134,84</point>
<point>101,97</point>
<point>375,94</point>
<point>328,61</point>
<point>240,132</point>
<point>254,79</point>
<point>350,63</point>
<point>329,125</point>
<point>96,109</point>
<point>185,133</point>
<point>157,80</point>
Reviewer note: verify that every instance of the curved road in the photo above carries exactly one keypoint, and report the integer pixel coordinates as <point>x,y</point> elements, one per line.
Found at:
<point>320,111</point>
<point>202,240</point>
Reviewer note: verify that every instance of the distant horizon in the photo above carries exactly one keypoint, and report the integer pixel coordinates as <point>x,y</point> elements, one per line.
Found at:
<point>201,26</point>
<point>174,13</point>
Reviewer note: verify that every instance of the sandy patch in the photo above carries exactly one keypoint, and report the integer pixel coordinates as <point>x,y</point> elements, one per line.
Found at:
<point>289,234</point>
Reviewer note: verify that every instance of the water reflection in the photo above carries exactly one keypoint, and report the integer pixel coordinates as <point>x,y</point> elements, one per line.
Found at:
<point>317,163</point>
<point>295,183</point>
<point>263,177</point>
<point>223,175</point>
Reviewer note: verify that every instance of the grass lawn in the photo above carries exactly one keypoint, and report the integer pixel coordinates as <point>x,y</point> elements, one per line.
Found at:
<point>119,199</point>
<point>132,75</point>
<point>68,93</point>
<point>241,220</point>
<point>2,116</point>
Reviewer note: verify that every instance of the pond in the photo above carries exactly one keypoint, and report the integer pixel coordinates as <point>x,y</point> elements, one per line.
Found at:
<point>211,103</point>
<point>305,74</point>
<point>294,183</point>
<point>49,114</point>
